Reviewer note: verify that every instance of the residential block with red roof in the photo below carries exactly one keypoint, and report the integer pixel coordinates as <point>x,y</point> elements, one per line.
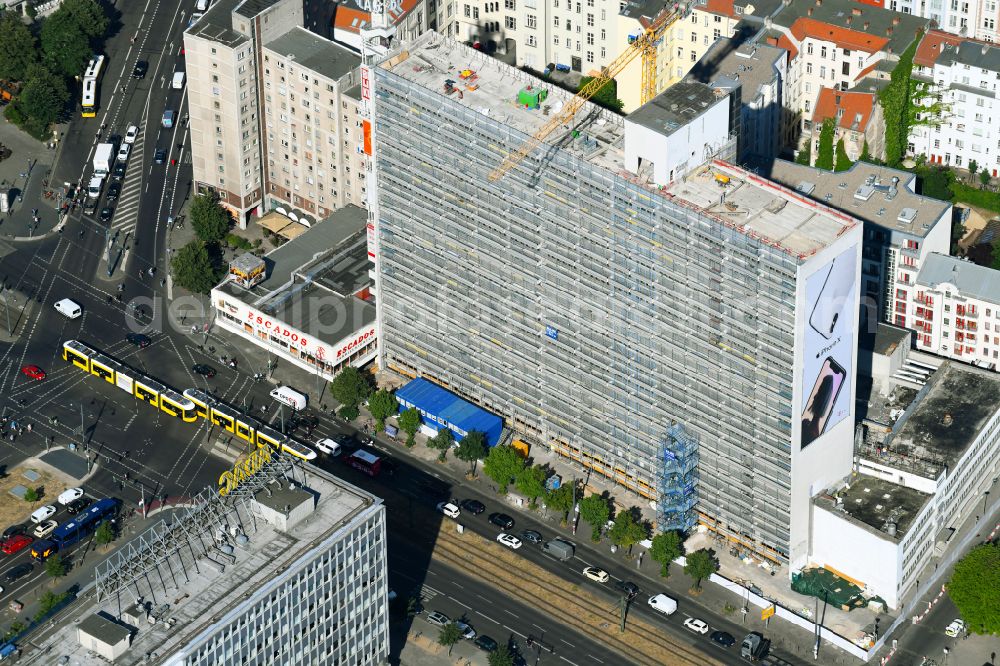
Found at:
<point>858,120</point>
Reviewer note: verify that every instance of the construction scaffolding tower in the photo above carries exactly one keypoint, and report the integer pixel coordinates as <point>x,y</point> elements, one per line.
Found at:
<point>678,486</point>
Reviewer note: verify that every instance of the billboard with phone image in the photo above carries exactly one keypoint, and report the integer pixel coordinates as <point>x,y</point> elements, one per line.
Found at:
<point>831,302</point>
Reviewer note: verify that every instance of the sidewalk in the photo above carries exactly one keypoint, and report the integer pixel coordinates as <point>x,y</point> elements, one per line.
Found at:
<point>27,175</point>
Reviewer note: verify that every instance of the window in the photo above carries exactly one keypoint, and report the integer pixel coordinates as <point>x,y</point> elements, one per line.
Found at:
<point>809,68</point>
<point>467,11</point>
<point>531,21</point>
<point>694,37</point>
<point>604,34</point>
<point>590,39</point>
<point>590,56</point>
<point>590,20</point>
<point>809,48</point>
<point>475,12</point>
<point>822,52</point>
<point>555,21</point>
<point>531,41</point>
<point>845,68</point>
<point>510,22</point>
<point>508,4</point>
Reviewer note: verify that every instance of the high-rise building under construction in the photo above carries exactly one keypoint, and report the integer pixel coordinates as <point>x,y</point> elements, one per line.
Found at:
<point>622,295</point>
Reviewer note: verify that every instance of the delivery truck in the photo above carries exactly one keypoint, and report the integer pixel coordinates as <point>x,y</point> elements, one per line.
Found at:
<point>103,156</point>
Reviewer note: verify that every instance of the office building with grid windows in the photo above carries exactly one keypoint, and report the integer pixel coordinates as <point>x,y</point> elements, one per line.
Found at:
<point>671,322</point>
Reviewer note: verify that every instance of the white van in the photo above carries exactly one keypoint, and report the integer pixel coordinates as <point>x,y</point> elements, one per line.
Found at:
<point>178,83</point>
<point>329,447</point>
<point>290,397</point>
<point>202,5</point>
<point>69,308</point>
<point>663,603</point>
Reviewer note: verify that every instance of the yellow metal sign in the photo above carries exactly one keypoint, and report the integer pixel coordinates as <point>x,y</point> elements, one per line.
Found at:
<point>243,470</point>
<point>767,612</point>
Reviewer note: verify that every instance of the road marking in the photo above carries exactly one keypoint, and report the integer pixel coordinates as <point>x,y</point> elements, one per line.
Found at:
<point>568,643</point>
<point>460,603</point>
<point>483,598</point>
<point>487,617</point>
<point>592,657</point>
<point>513,631</point>
<point>542,629</point>
<point>509,613</point>
<point>573,662</point>
<point>459,585</point>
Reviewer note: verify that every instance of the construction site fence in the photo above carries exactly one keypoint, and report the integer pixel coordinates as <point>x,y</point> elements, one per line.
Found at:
<point>831,637</point>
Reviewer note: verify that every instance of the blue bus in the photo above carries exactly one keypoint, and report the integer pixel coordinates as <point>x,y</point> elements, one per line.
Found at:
<point>74,531</point>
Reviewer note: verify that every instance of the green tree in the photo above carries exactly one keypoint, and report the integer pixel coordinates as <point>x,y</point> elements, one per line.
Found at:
<point>55,566</point>
<point>973,588</point>
<point>667,547</point>
<point>501,656</point>
<point>607,96</point>
<point>973,168</point>
<point>472,449</point>
<point>898,107</point>
<point>351,387</point>
<point>442,442</point>
<point>530,482</point>
<point>984,178</point>
<point>502,465</point>
<point>43,100</point>
<point>210,220</point>
<point>48,601</point>
<point>843,162</point>
<point>409,422</point>
<point>65,46</point>
<point>824,154</point>
<point>935,182</point>
<point>382,405</point>
<point>104,534</point>
<point>18,50</point>
<point>865,155</point>
<point>627,530</point>
<point>449,635</point>
<point>88,15</point>
<point>804,156</point>
<point>700,565</point>
<point>31,495</point>
<point>560,499</point>
<point>595,509</point>
<point>193,269</point>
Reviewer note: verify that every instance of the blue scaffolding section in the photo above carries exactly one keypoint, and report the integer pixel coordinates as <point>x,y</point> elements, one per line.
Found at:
<point>678,487</point>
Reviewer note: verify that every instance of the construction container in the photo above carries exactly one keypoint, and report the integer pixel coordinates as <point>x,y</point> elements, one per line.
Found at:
<point>531,97</point>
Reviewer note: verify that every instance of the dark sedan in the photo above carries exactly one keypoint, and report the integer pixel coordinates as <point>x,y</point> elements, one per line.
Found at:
<point>140,69</point>
<point>531,536</point>
<point>502,520</point>
<point>119,171</point>
<point>78,505</point>
<point>107,213</point>
<point>138,339</point>
<point>722,639</point>
<point>203,370</point>
<point>475,507</point>
<point>114,189</point>
<point>160,156</point>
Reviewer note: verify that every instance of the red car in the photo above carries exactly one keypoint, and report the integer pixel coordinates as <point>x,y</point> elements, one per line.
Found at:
<point>34,372</point>
<point>15,543</point>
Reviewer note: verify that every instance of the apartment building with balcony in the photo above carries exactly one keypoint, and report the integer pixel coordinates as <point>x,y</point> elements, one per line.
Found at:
<point>313,141</point>
<point>962,75</point>
<point>955,306</point>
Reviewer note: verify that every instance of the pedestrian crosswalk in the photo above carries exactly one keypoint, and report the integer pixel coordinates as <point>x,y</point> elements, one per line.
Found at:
<point>127,212</point>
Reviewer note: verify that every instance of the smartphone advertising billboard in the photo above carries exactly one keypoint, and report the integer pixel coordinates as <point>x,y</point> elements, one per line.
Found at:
<point>831,302</point>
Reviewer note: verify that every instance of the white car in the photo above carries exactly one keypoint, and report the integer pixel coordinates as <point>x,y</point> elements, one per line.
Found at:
<point>438,619</point>
<point>123,152</point>
<point>329,447</point>
<point>69,495</point>
<point>955,629</point>
<point>131,134</point>
<point>45,528</point>
<point>509,540</point>
<point>696,625</point>
<point>449,509</point>
<point>468,633</point>
<point>44,513</point>
<point>597,575</point>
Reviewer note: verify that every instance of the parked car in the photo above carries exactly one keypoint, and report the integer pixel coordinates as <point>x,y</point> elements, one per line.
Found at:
<point>106,213</point>
<point>140,69</point>
<point>130,134</point>
<point>44,513</point>
<point>509,540</point>
<point>502,520</point>
<point>19,572</point>
<point>438,619</point>
<point>123,152</point>
<point>78,506</point>
<point>449,509</point>
<point>955,629</point>
<point>138,339</point>
<point>118,172</point>
<point>596,575</point>
<point>15,544</point>
<point>722,639</point>
<point>696,625</point>
<point>329,447</point>
<point>468,633</point>
<point>114,189</point>
<point>34,372</point>
<point>628,587</point>
<point>203,370</point>
<point>19,528</point>
<point>485,643</point>
<point>475,507</point>
<point>68,495</point>
<point>531,536</point>
<point>45,528</point>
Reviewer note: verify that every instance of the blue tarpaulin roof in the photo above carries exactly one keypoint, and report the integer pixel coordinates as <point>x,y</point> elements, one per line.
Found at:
<point>440,407</point>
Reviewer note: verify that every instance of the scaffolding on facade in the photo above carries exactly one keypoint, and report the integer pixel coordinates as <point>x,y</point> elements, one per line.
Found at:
<point>678,482</point>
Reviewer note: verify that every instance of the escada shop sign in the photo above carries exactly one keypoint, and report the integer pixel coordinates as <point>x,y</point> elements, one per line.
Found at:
<point>359,341</point>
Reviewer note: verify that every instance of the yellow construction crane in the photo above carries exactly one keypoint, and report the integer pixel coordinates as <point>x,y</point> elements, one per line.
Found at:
<point>644,44</point>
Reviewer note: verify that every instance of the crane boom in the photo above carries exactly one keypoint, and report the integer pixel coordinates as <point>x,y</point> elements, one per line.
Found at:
<point>644,44</point>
